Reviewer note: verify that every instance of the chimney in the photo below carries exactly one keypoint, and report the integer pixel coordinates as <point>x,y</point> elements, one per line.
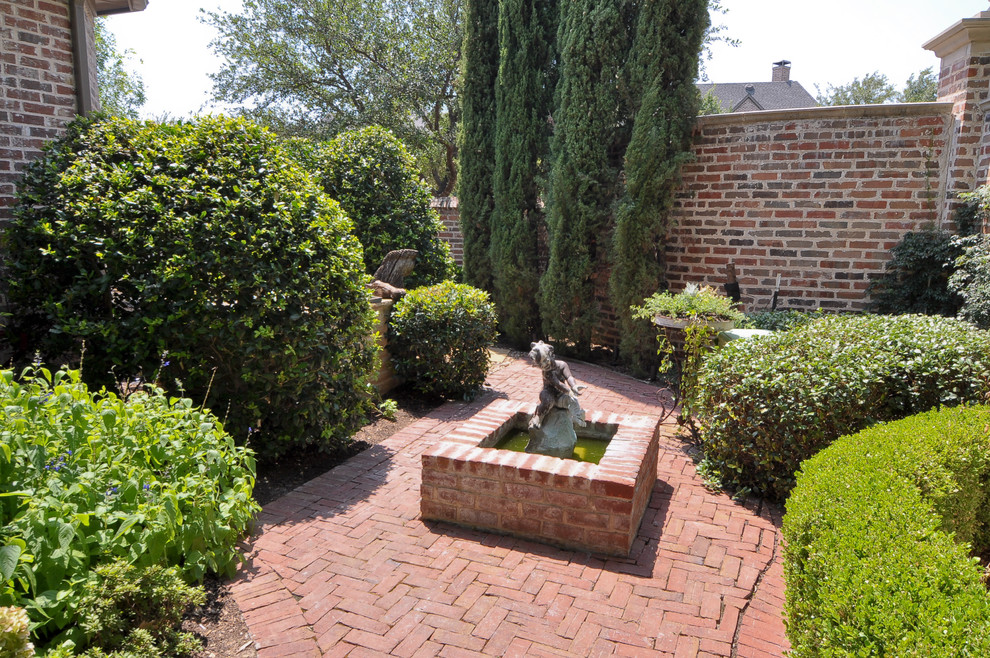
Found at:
<point>781,71</point>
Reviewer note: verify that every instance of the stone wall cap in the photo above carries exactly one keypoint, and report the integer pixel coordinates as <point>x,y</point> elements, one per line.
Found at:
<point>827,112</point>
<point>973,32</point>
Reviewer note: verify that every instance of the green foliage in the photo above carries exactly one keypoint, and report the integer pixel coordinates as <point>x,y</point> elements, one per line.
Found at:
<point>591,131</point>
<point>873,89</point>
<point>476,142</point>
<point>916,278</point>
<point>127,610</point>
<point>663,66</point>
<point>372,176</point>
<point>523,96</point>
<point>85,478</point>
<point>710,104</point>
<point>972,215</point>
<point>203,240</point>
<point>121,91</point>
<point>702,303</point>
<point>15,640</point>
<point>319,68</point>
<point>766,405</point>
<point>876,557</point>
<point>971,280</point>
<point>782,320</point>
<point>440,337</point>
<point>923,89</point>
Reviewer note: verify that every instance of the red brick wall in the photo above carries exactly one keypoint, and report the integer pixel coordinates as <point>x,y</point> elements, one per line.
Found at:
<point>37,94</point>
<point>446,207</point>
<point>817,196</point>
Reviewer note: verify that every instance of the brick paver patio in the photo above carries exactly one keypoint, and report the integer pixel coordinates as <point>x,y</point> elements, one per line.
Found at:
<point>343,565</point>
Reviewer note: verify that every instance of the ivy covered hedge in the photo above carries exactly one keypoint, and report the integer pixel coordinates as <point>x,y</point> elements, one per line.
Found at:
<point>204,240</point>
<point>765,405</point>
<point>878,536</point>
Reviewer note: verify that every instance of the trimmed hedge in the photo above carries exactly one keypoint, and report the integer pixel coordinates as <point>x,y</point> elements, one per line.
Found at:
<point>201,239</point>
<point>767,404</point>
<point>440,339</point>
<point>876,541</point>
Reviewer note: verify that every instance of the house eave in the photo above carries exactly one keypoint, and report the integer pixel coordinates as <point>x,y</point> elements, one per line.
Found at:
<point>107,7</point>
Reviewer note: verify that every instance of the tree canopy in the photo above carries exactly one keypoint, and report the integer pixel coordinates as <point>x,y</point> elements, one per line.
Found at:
<point>875,88</point>
<point>319,67</point>
<point>121,90</point>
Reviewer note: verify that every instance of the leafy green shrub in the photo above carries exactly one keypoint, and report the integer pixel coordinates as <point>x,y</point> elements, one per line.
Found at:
<point>15,641</point>
<point>916,278</point>
<point>971,280</point>
<point>137,610</point>
<point>201,239</point>
<point>86,478</point>
<point>766,405</point>
<point>876,541</point>
<point>782,320</point>
<point>440,338</point>
<point>373,177</point>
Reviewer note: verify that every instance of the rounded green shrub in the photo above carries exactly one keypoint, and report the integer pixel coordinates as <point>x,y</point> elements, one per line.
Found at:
<point>86,478</point>
<point>203,240</point>
<point>439,338</point>
<point>916,278</point>
<point>971,280</point>
<point>374,178</point>
<point>878,536</point>
<point>766,404</point>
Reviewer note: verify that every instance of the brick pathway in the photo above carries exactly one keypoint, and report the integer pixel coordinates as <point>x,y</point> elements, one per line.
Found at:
<point>343,565</point>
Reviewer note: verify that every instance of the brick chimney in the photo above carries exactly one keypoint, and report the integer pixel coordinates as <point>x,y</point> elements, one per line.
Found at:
<point>781,71</point>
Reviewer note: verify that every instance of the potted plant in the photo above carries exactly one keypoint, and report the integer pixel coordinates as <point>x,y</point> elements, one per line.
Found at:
<point>689,321</point>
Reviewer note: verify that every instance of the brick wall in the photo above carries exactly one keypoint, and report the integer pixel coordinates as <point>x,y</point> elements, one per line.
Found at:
<point>817,196</point>
<point>446,207</point>
<point>37,94</point>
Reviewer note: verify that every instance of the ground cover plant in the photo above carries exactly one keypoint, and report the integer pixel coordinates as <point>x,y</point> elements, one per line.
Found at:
<point>373,177</point>
<point>88,478</point>
<point>878,536</point>
<point>204,240</point>
<point>765,405</point>
<point>439,339</point>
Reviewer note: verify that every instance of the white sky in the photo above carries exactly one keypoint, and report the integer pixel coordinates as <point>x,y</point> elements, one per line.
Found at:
<point>827,41</point>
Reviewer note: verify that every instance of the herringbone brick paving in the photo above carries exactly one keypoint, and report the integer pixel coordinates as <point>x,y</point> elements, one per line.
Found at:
<point>343,565</point>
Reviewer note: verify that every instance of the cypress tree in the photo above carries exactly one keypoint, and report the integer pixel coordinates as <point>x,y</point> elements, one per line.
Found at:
<point>664,64</point>
<point>522,97</point>
<point>591,130</point>
<point>479,70</point>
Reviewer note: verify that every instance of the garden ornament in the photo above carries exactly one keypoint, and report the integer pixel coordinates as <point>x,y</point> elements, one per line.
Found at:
<point>551,430</point>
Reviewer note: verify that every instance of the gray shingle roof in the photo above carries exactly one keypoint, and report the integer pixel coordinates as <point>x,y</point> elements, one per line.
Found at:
<point>735,97</point>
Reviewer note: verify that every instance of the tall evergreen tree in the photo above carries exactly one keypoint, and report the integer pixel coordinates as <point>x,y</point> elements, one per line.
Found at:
<point>591,131</point>
<point>479,71</point>
<point>523,101</point>
<point>664,64</point>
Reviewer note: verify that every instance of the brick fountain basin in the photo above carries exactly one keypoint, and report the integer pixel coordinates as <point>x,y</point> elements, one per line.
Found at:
<point>577,505</point>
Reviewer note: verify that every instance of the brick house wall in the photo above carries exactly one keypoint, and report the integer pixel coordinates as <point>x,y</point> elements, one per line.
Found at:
<point>38,90</point>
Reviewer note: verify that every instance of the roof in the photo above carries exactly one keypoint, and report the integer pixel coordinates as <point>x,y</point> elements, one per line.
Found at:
<point>751,96</point>
<point>106,7</point>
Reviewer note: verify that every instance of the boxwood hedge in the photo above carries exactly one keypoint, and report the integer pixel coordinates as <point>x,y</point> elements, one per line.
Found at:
<point>440,338</point>
<point>201,239</point>
<point>878,536</point>
<point>767,404</point>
